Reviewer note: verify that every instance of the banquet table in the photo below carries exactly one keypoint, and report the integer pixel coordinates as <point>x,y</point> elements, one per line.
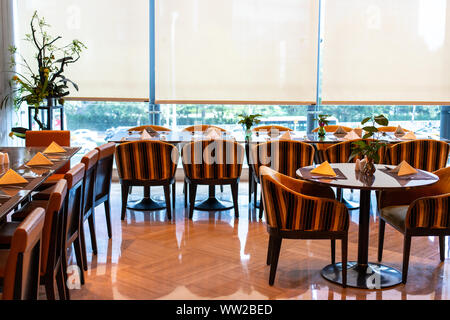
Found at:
<point>362,273</point>
<point>13,195</point>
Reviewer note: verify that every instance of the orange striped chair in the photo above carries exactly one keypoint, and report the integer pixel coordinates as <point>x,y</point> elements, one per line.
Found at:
<point>298,209</point>
<point>284,156</point>
<point>417,212</point>
<point>147,163</point>
<point>154,127</point>
<point>212,162</point>
<point>429,155</point>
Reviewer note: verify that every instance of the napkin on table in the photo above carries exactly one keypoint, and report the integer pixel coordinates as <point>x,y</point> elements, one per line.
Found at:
<point>12,177</point>
<point>212,133</point>
<point>409,136</point>
<point>286,136</point>
<point>352,135</point>
<point>404,169</point>
<point>145,135</point>
<point>399,131</point>
<point>54,148</point>
<point>358,131</point>
<point>340,130</point>
<point>39,160</point>
<point>324,169</point>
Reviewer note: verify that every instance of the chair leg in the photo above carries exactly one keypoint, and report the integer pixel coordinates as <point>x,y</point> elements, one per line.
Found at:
<point>174,194</point>
<point>49,283</point>
<point>442,247</point>
<point>255,194</point>
<point>192,194</point>
<point>185,191</point>
<point>82,240</point>
<point>333,251</point>
<point>125,189</point>
<point>221,188</point>
<point>91,222</point>
<point>274,259</point>
<point>344,248</point>
<point>406,251</point>
<point>168,204</point>
<point>261,206</point>
<point>235,192</point>
<point>81,261</point>
<point>250,189</point>
<point>381,239</point>
<point>339,194</point>
<point>64,274</point>
<point>107,205</point>
<point>61,284</point>
<point>269,250</point>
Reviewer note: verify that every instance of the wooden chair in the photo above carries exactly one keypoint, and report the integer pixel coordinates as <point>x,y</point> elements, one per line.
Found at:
<point>154,127</point>
<point>420,212</point>
<point>222,166</point>
<point>103,180</point>
<point>297,209</point>
<point>429,155</point>
<point>271,128</point>
<point>284,156</point>
<point>202,128</point>
<point>90,161</point>
<point>44,139</point>
<point>20,266</point>
<point>333,128</point>
<point>52,238</point>
<point>147,163</point>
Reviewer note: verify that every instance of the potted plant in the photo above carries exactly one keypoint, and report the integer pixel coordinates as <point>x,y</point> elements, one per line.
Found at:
<point>247,122</point>
<point>370,149</point>
<point>47,83</point>
<point>322,123</point>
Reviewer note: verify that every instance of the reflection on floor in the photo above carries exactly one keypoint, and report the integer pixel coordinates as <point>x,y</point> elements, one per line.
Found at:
<point>216,256</point>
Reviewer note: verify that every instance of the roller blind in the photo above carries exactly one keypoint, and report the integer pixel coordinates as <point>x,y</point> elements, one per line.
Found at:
<point>386,51</point>
<point>236,51</point>
<point>116,32</point>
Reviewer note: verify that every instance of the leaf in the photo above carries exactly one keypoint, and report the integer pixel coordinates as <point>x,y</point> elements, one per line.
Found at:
<point>370,129</point>
<point>366,120</point>
<point>367,135</point>
<point>381,120</point>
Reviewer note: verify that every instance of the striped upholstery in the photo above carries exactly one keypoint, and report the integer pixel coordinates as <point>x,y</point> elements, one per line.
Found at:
<point>288,210</point>
<point>340,152</point>
<point>154,127</point>
<point>202,128</point>
<point>429,155</point>
<point>333,128</point>
<point>146,160</point>
<point>430,213</point>
<point>284,156</point>
<point>271,128</point>
<point>213,159</point>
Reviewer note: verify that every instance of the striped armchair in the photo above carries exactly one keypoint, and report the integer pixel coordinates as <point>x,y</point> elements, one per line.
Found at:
<point>417,212</point>
<point>284,156</point>
<point>147,163</point>
<point>298,209</point>
<point>429,155</point>
<point>212,162</point>
<point>340,152</point>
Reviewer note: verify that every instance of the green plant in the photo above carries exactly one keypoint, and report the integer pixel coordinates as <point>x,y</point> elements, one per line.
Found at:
<point>323,120</point>
<point>248,121</point>
<point>48,81</point>
<point>371,147</point>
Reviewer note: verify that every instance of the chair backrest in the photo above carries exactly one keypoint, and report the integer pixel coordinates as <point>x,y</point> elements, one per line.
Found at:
<point>287,209</point>
<point>45,138</point>
<point>390,129</point>
<point>52,233</point>
<point>90,161</point>
<point>146,160</point>
<point>340,152</point>
<point>333,128</point>
<point>271,128</point>
<point>104,170</point>
<point>213,159</point>
<point>21,281</point>
<point>154,127</point>
<point>284,156</point>
<point>202,128</point>
<point>429,155</point>
<point>74,201</point>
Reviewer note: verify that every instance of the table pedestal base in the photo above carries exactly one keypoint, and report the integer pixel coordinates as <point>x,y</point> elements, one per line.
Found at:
<point>373,276</point>
<point>213,204</point>
<point>146,204</point>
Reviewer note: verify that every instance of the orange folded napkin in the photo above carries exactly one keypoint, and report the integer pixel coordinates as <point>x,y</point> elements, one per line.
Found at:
<point>12,177</point>
<point>324,169</point>
<point>145,135</point>
<point>39,160</point>
<point>212,133</point>
<point>54,148</point>
<point>358,131</point>
<point>404,169</point>
<point>340,130</point>
<point>286,136</point>
<point>352,135</point>
<point>409,136</point>
<point>399,131</point>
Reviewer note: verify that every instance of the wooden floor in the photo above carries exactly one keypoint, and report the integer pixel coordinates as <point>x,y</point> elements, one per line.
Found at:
<point>216,256</point>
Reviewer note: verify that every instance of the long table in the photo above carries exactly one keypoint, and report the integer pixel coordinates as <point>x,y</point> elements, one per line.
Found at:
<point>13,195</point>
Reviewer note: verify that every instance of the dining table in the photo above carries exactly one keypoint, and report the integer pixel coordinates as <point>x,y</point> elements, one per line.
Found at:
<point>362,273</point>
<point>13,195</point>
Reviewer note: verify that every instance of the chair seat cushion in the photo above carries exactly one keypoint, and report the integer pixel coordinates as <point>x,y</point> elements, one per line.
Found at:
<point>395,216</point>
<point>21,214</point>
<point>7,231</point>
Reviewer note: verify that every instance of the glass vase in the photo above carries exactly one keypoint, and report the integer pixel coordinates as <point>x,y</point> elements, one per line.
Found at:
<point>321,131</point>
<point>369,168</point>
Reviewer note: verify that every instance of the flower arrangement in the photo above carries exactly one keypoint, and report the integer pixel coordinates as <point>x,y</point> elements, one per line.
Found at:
<point>248,121</point>
<point>47,82</point>
<point>323,121</point>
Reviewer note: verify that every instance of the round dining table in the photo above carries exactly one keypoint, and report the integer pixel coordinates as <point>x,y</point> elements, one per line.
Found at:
<point>362,273</point>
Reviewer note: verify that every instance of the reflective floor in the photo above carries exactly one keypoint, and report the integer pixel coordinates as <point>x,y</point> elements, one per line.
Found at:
<point>216,256</point>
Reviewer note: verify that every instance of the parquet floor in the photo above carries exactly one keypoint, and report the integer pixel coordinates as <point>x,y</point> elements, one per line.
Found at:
<point>216,256</point>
